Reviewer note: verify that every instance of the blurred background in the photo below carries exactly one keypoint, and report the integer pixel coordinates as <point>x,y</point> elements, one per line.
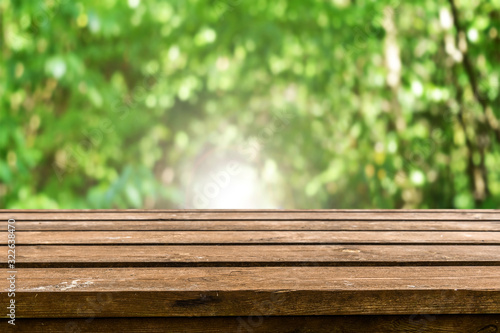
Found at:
<point>249,104</point>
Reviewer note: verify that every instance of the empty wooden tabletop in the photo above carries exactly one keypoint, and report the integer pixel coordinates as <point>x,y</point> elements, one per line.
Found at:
<point>269,265</point>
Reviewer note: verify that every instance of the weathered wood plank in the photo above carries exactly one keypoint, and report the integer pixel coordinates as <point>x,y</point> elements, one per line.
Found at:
<point>262,324</point>
<point>313,255</point>
<point>379,215</point>
<point>221,291</point>
<point>82,304</point>
<point>255,237</point>
<point>263,278</point>
<point>388,262</point>
<point>254,225</point>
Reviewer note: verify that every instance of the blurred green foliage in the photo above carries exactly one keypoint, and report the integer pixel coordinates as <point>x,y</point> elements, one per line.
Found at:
<point>333,104</point>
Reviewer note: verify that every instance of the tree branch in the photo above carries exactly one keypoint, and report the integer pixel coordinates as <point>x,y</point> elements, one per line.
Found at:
<point>471,74</point>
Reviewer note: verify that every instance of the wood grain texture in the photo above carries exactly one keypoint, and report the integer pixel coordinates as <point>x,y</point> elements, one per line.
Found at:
<point>222,291</point>
<point>82,304</point>
<point>255,237</point>
<point>417,323</point>
<point>260,278</point>
<point>364,225</point>
<point>287,255</point>
<point>256,271</point>
<point>255,215</point>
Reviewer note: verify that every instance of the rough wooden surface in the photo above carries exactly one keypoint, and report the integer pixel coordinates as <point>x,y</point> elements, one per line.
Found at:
<point>254,225</point>
<point>256,237</point>
<point>248,255</point>
<point>291,271</point>
<point>226,291</point>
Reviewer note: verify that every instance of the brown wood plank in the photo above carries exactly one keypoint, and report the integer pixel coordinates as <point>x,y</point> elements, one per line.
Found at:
<point>255,237</point>
<point>245,291</point>
<point>383,215</point>
<point>253,225</point>
<point>417,323</point>
<point>261,278</point>
<point>333,255</point>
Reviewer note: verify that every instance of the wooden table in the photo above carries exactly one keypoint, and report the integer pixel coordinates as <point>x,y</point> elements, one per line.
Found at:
<point>255,271</point>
